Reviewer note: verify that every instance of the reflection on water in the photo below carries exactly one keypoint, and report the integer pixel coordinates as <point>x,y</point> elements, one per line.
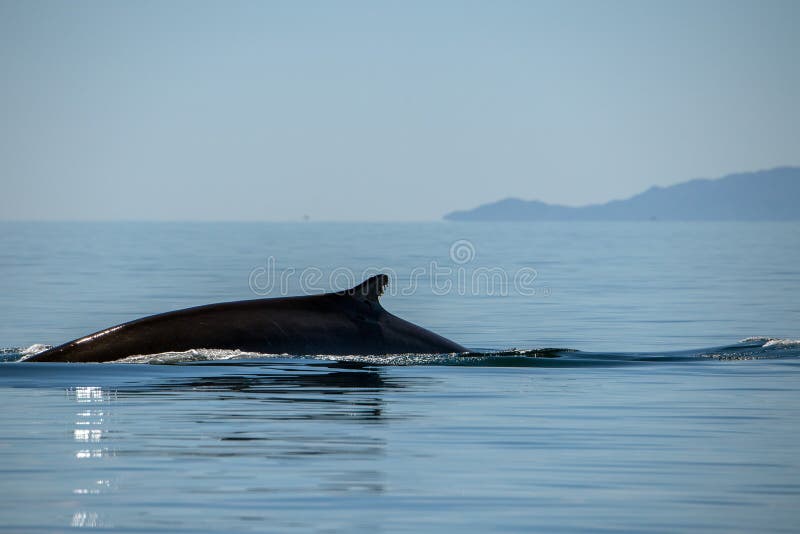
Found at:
<point>91,422</point>
<point>329,391</point>
<point>85,519</point>
<point>225,430</point>
<point>299,445</point>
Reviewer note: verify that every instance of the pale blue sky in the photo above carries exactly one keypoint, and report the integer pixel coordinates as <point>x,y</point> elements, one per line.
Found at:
<point>382,110</point>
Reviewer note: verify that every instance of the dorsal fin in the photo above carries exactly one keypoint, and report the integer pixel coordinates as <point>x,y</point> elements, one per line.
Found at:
<point>371,288</point>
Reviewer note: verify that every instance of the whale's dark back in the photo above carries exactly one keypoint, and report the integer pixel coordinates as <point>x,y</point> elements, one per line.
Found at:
<point>351,322</point>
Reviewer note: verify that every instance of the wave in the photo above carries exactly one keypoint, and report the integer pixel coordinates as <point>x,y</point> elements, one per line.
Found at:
<point>750,348</point>
<point>772,342</point>
<point>783,343</point>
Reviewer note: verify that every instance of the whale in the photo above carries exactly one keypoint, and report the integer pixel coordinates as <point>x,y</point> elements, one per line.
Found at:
<point>350,322</point>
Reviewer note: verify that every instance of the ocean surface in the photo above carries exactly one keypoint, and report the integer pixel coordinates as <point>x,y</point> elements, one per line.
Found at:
<point>625,377</point>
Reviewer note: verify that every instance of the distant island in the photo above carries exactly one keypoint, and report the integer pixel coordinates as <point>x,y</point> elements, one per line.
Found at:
<point>771,195</point>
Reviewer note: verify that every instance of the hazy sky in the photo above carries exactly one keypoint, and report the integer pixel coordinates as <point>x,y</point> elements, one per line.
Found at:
<point>382,110</point>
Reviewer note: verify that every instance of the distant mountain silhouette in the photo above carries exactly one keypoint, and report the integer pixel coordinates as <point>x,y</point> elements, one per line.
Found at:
<point>772,195</point>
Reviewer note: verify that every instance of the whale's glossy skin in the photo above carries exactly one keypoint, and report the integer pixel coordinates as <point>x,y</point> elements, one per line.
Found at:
<point>350,322</point>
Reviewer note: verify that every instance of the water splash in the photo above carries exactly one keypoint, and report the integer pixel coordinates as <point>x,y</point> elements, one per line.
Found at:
<point>750,348</point>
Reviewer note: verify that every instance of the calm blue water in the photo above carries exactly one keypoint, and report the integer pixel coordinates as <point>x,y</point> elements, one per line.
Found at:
<point>670,403</point>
